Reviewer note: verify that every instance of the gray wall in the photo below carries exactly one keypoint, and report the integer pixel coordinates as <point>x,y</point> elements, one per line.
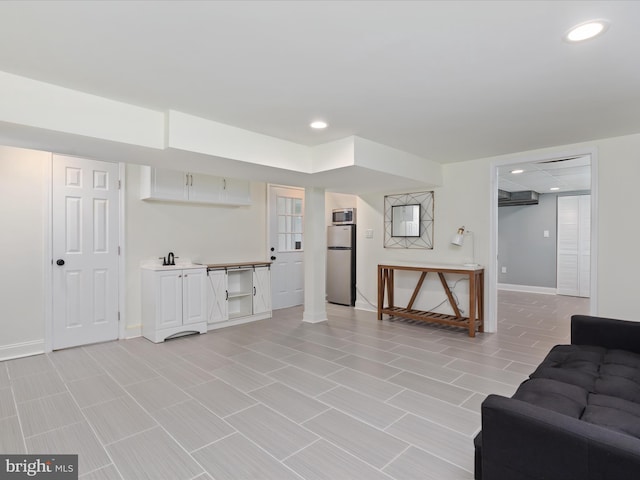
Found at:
<point>529,257</point>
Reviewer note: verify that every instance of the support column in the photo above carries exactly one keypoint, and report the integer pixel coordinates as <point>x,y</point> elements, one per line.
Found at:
<point>315,256</point>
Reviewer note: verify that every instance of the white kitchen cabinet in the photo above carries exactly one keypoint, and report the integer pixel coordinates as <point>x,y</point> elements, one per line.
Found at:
<point>174,301</point>
<point>217,296</point>
<point>238,293</point>
<point>205,188</point>
<point>234,191</point>
<point>172,185</point>
<point>161,184</point>
<point>261,290</point>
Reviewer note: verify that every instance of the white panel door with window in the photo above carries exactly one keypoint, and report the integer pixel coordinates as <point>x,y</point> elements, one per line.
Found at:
<point>85,251</point>
<point>286,237</point>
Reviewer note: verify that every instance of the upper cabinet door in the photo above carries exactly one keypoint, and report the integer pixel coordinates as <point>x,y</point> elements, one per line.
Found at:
<point>205,188</point>
<point>164,184</point>
<point>236,192</point>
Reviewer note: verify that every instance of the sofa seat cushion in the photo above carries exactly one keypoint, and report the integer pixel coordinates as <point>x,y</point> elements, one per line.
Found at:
<point>613,413</point>
<point>598,385</point>
<point>620,375</point>
<point>554,395</point>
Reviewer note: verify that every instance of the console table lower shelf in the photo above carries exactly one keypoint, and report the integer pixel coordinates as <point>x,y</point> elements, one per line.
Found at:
<point>476,296</point>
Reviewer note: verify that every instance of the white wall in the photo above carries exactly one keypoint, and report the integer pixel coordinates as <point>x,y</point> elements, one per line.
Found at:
<point>201,233</point>
<point>462,200</point>
<point>22,221</point>
<point>338,200</point>
<point>618,227</point>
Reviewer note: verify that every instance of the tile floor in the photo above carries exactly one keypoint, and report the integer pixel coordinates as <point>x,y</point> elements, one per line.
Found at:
<point>353,398</point>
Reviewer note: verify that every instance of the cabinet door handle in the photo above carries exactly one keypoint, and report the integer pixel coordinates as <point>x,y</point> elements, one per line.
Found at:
<point>254,291</point>
<point>185,275</point>
<point>224,181</point>
<point>187,177</point>
<point>227,294</point>
<point>180,276</point>
<point>191,180</point>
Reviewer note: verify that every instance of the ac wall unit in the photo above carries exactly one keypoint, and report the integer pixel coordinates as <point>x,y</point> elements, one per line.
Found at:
<point>511,199</point>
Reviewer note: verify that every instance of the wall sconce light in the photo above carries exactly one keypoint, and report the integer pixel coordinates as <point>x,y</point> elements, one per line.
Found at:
<point>458,240</point>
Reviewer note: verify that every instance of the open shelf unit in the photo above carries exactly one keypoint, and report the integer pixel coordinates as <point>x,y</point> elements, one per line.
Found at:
<point>240,288</point>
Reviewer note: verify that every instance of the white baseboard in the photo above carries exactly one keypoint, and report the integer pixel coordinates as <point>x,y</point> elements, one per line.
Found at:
<point>527,289</point>
<point>363,305</point>
<point>25,349</point>
<point>314,317</point>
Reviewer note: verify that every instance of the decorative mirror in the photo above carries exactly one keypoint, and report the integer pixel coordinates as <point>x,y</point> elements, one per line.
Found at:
<point>408,220</point>
<point>405,221</point>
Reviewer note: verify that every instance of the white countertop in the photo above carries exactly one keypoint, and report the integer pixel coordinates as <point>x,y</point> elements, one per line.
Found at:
<point>177,266</point>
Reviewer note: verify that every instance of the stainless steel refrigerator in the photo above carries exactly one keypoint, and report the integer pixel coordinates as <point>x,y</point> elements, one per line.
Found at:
<point>341,264</point>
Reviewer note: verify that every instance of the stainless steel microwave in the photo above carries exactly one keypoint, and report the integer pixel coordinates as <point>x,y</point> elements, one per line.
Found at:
<point>343,216</point>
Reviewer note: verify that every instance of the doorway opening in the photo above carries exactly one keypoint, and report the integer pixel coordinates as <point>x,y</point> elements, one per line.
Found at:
<point>543,228</point>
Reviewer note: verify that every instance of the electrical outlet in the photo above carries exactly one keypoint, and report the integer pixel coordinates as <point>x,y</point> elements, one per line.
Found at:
<point>504,270</point>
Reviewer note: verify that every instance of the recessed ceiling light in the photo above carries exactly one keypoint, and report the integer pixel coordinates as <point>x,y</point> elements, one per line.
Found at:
<point>318,125</point>
<point>586,30</point>
<point>515,172</point>
<point>553,189</point>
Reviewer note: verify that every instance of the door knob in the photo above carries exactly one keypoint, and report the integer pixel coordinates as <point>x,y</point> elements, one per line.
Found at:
<point>60,262</point>
<point>272,257</point>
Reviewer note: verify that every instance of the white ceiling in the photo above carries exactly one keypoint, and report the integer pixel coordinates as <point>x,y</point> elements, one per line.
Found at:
<point>564,174</point>
<point>446,80</point>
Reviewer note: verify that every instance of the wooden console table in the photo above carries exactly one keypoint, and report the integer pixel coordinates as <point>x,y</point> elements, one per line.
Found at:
<point>476,295</point>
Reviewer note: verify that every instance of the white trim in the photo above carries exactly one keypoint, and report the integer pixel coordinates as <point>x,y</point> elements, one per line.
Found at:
<point>47,249</point>
<point>365,306</point>
<point>239,321</point>
<point>527,288</point>
<point>122,264</point>
<point>593,303</point>
<point>491,318</point>
<point>24,349</point>
<point>492,264</point>
<point>315,317</point>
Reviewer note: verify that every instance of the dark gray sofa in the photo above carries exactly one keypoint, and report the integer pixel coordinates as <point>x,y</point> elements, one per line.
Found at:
<point>577,417</point>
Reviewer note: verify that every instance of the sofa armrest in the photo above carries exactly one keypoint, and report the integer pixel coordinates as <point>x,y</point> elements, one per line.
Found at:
<point>605,332</point>
<point>521,441</point>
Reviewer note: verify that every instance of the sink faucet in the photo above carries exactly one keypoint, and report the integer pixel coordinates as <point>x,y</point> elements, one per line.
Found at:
<point>169,260</point>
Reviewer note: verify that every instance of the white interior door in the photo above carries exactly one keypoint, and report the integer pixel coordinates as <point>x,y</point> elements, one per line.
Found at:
<point>574,255</point>
<point>286,246</point>
<point>85,251</point>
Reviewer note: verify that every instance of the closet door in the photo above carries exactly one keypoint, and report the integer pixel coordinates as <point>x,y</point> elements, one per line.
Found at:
<point>574,254</point>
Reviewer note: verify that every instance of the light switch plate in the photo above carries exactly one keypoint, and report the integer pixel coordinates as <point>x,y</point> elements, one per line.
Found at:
<point>368,233</point>
<point>504,270</point>
<point>546,233</point>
